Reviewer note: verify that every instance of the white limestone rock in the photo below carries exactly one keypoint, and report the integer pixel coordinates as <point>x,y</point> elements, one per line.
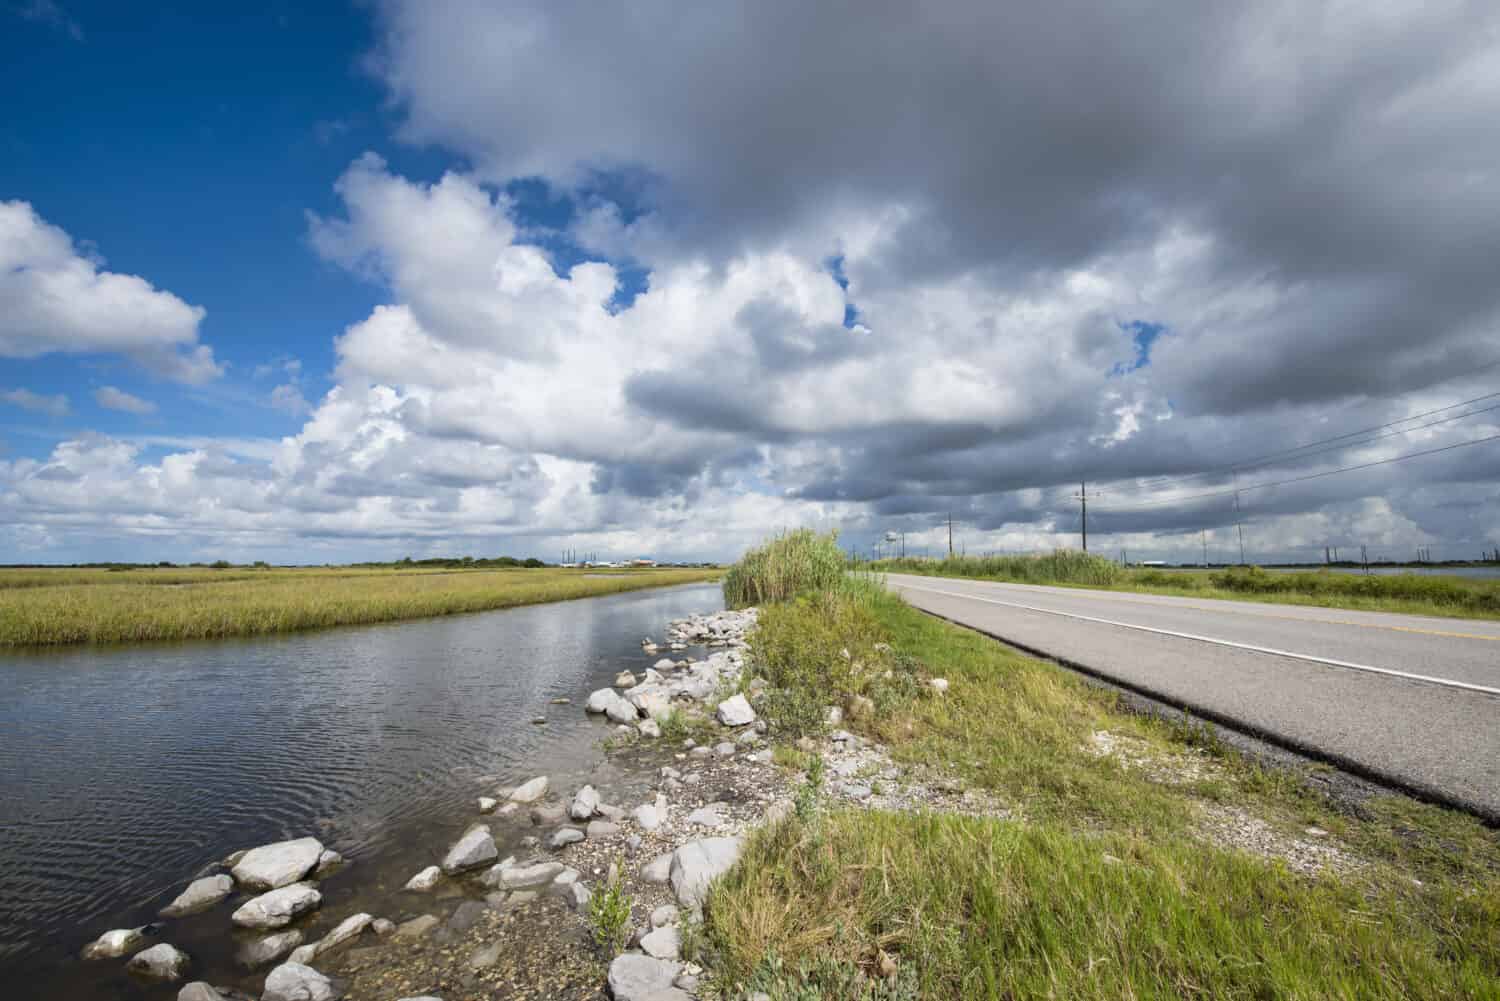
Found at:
<point>529,876</point>
<point>160,962</point>
<point>585,803</point>
<point>281,864</point>
<point>200,895</point>
<point>269,948</point>
<point>633,977</point>
<point>736,711</point>
<point>297,982</point>
<point>530,791</point>
<point>425,880</point>
<point>475,849</point>
<point>698,863</point>
<point>115,943</point>
<point>277,908</point>
<point>349,928</point>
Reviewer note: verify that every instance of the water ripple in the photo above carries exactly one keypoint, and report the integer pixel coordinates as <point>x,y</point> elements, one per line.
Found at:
<point>123,771</point>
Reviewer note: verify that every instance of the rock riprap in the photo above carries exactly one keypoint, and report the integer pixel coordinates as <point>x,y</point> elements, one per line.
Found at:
<point>529,876</point>
<point>736,711</point>
<point>585,803</point>
<point>634,977</point>
<point>296,982</point>
<point>115,943</point>
<point>278,907</point>
<point>160,962</point>
<point>530,791</point>
<point>200,895</point>
<point>281,864</point>
<point>475,849</point>
<point>698,863</point>
<point>261,951</point>
<point>425,880</point>
<point>663,943</point>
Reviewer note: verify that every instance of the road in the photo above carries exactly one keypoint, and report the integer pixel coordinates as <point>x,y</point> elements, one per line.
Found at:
<point>1413,701</point>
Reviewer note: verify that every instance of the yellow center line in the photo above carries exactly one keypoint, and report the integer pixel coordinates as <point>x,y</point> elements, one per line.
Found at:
<point>1242,611</point>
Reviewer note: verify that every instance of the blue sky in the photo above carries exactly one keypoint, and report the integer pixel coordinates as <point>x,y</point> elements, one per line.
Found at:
<point>187,143</point>
<point>322,282</point>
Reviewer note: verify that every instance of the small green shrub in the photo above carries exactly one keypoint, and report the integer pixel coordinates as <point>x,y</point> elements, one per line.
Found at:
<point>805,803</point>
<point>609,915</point>
<point>785,567</point>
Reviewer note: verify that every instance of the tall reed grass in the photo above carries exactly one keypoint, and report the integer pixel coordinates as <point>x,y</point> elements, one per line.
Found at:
<point>788,565</point>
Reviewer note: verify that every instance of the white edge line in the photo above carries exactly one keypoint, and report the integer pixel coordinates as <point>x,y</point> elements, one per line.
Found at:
<point>1445,682</point>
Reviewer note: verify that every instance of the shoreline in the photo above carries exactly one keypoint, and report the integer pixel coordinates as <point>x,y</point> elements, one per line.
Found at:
<point>1132,812</point>
<point>468,898</point>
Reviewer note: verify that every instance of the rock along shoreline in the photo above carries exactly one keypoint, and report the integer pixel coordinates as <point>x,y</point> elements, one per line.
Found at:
<point>511,915</point>
<point>520,920</point>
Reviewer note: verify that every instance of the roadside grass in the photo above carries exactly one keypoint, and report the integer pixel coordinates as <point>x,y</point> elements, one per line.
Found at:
<point>1414,594</point>
<point>1107,884</point>
<point>976,908</point>
<point>135,606</point>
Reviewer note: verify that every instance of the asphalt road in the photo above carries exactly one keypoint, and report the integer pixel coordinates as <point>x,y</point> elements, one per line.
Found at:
<point>1409,700</point>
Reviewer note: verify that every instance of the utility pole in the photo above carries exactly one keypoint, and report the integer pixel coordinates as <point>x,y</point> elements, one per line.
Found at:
<point>1364,557</point>
<point>1083,497</point>
<point>950,535</point>
<point>1238,526</point>
<point>1205,546</point>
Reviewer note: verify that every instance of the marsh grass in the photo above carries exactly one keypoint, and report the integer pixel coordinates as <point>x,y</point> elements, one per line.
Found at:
<point>138,606</point>
<point>1418,594</point>
<point>791,564</point>
<point>1106,885</point>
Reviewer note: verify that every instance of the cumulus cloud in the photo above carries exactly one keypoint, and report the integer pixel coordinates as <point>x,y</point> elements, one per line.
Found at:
<point>118,399</point>
<point>52,406</point>
<point>898,263</point>
<point>56,299</point>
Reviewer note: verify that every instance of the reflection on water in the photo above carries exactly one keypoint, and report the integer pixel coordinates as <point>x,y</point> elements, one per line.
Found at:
<point>123,771</point>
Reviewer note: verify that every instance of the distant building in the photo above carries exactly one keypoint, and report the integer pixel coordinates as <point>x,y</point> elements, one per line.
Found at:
<point>643,563</point>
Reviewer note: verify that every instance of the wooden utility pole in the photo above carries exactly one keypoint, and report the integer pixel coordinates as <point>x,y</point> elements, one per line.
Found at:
<point>1083,498</point>
<point>950,535</point>
<point>1205,546</point>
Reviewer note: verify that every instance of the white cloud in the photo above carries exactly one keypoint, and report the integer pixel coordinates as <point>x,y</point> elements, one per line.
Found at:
<point>54,299</point>
<point>996,239</point>
<point>52,406</point>
<point>289,397</point>
<point>118,399</point>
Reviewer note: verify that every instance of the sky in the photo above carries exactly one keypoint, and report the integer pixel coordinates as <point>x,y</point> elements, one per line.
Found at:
<point>317,283</point>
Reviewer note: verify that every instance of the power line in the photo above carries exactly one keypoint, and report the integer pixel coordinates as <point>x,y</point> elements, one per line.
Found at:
<point>1309,476</point>
<point>1261,460</point>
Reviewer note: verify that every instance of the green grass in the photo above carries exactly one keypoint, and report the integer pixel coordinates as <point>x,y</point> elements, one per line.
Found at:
<point>1106,885</point>
<point>789,565</point>
<point>1417,594</point>
<point>97,606</point>
<point>977,908</point>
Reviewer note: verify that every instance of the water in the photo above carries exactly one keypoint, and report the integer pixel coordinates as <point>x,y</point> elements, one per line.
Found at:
<point>123,771</point>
